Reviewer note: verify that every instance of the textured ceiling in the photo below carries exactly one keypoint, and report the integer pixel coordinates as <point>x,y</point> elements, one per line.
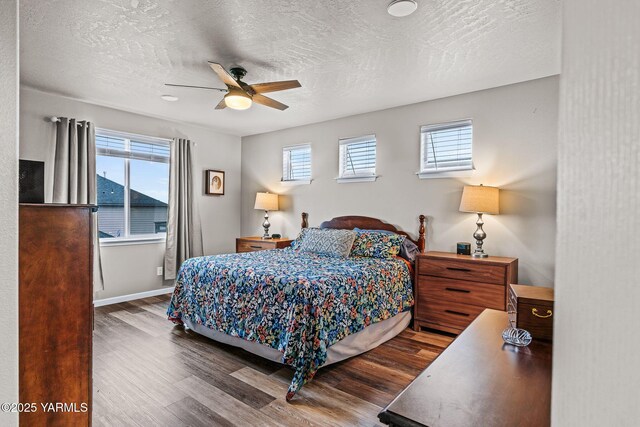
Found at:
<point>350,56</point>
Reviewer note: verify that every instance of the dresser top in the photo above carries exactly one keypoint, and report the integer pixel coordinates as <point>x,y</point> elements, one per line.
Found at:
<point>469,258</point>
<point>56,205</point>
<point>479,380</point>
<point>260,239</point>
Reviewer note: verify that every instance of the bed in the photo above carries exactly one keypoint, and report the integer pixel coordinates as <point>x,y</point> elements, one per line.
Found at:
<point>302,309</point>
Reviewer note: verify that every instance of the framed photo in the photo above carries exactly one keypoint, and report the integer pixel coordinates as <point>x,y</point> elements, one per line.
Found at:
<point>215,183</point>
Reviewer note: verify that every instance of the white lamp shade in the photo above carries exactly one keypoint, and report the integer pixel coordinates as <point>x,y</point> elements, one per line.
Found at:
<point>266,201</point>
<point>480,199</point>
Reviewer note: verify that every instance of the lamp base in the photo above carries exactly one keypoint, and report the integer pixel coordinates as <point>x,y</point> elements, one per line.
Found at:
<point>479,235</point>
<point>480,255</point>
<point>266,225</point>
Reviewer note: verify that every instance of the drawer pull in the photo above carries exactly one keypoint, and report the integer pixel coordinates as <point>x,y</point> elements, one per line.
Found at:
<point>464,291</point>
<point>465,270</point>
<point>457,313</point>
<point>255,247</point>
<point>534,311</point>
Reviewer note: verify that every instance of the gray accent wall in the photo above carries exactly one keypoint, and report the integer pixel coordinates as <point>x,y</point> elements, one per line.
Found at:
<point>596,355</point>
<point>515,143</point>
<point>9,76</point>
<point>131,269</point>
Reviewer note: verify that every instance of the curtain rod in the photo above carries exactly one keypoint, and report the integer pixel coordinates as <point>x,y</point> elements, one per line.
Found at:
<point>54,119</point>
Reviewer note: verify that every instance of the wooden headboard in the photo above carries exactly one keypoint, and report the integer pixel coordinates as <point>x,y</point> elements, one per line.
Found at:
<point>368,223</point>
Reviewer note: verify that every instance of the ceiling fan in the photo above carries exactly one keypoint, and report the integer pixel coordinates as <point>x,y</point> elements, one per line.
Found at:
<point>240,95</point>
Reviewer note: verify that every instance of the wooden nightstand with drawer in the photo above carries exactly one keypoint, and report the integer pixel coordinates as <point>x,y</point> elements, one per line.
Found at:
<point>451,290</point>
<point>252,244</point>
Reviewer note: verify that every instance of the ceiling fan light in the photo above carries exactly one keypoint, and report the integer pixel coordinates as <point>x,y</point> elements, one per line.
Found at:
<point>237,101</point>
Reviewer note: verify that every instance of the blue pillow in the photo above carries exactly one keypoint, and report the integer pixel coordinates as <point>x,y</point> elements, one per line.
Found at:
<point>374,244</point>
<point>408,249</point>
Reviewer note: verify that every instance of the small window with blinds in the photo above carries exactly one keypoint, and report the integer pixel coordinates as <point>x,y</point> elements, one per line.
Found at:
<point>133,186</point>
<point>446,147</point>
<point>296,164</point>
<point>357,159</point>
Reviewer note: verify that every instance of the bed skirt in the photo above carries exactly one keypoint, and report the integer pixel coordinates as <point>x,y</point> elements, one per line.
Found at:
<point>354,344</point>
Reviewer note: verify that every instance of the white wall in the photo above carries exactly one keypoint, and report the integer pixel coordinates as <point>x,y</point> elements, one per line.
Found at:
<point>9,207</point>
<point>132,269</point>
<point>596,369</point>
<point>515,140</point>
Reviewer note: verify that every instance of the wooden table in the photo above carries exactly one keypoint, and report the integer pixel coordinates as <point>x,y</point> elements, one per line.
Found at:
<point>479,381</point>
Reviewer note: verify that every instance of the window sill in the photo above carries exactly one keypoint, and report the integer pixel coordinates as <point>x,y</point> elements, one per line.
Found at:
<point>345,180</point>
<point>296,182</point>
<point>132,241</point>
<point>466,173</point>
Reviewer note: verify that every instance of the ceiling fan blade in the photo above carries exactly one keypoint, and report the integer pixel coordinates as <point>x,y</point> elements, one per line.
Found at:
<point>261,99</point>
<point>224,75</point>
<point>221,105</point>
<point>275,86</point>
<point>197,87</point>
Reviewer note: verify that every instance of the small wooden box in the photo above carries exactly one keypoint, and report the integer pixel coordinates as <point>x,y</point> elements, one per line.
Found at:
<point>531,308</point>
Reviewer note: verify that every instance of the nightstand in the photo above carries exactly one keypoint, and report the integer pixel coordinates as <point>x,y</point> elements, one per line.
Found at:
<point>252,244</point>
<point>452,290</point>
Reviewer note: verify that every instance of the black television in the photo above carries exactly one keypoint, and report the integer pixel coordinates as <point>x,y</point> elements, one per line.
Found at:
<point>31,181</point>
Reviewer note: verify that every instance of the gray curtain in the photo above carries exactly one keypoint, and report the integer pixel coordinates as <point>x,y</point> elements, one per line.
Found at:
<point>74,175</point>
<point>184,233</point>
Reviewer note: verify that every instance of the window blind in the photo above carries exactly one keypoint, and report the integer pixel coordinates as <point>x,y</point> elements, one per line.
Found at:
<point>446,147</point>
<point>358,156</point>
<point>296,163</point>
<point>155,150</point>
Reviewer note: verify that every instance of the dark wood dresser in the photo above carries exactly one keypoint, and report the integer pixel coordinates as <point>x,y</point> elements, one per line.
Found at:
<point>479,381</point>
<point>56,313</point>
<point>451,290</point>
<point>252,244</point>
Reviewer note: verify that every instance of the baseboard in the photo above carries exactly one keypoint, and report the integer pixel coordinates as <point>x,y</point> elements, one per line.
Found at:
<point>131,297</point>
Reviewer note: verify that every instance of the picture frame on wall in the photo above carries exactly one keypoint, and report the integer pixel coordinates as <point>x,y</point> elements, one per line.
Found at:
<point>215,183</point>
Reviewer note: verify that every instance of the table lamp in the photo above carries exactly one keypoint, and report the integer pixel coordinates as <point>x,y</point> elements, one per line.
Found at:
<point>266,202</point>
<point>480,199</point>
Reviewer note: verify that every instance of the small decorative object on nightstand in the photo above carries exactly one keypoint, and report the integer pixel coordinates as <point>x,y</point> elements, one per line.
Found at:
<point>266,202</point>
<point>451,290</point>
<point>480,199</point>
<point>252,244</point>
<point>463,248</point>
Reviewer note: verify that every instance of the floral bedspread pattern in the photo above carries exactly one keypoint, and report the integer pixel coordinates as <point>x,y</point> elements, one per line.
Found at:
<point>298,303</point>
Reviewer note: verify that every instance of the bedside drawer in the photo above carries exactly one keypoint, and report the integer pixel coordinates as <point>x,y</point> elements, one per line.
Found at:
<point>448,314</point>
<point>472,293</point>
<point>463,270</point>
<point>244,246</point>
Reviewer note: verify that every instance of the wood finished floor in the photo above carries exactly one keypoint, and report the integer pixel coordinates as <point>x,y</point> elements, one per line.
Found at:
<point>149,372</point>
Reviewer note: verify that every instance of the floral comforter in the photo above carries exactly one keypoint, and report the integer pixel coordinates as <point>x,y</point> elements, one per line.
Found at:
<point>298,303</point>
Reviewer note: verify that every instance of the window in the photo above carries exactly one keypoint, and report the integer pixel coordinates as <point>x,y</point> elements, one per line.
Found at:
<point>133,185</point>
<point>296,164</point>
<point>358,159</point>
<point>446,147</point>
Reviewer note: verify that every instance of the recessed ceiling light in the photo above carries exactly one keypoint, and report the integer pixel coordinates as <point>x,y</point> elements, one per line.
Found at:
<point>169,98</point>
<point>401,8</point>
